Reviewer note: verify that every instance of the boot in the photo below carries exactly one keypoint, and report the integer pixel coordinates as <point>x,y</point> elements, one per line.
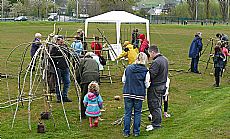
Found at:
<point>96,122</point>
<point>90,122</point>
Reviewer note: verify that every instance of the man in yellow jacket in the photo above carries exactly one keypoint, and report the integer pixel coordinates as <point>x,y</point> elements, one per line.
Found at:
<point>129,52</point>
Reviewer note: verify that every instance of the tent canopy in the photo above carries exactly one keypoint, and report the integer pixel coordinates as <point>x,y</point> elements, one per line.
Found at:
<point>118,17</point>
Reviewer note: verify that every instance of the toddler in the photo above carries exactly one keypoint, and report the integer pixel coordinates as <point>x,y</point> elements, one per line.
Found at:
<point>93,102</point>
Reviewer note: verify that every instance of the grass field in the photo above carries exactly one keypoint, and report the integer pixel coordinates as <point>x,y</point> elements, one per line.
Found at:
<point>198,110</point>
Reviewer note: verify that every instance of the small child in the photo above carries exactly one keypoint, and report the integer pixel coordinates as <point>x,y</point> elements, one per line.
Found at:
<point>218,60</point>
<point>77,46</point>
<point>165,98</point>
<point>93,102</point>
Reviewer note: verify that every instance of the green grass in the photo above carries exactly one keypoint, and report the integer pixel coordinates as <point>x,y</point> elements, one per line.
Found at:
<point>198,109</point>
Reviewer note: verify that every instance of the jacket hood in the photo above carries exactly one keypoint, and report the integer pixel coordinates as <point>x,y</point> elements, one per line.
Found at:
<point>141,36</point>
<point>91,96</point>
<point>138,68</point>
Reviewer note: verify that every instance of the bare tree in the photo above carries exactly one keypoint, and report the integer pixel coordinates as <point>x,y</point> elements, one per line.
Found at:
<point>207,7</point>
<point>224,9</point>
<point>192,8</point>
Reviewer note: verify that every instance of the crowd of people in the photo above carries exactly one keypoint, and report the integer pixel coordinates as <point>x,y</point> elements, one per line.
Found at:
<point>145,75</point>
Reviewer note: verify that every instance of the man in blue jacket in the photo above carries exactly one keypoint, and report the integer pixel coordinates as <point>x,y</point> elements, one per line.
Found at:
<point>194,52</point>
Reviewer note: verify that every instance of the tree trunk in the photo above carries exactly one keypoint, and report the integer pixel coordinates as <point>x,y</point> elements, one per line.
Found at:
<point>223,9</point>
<point>192,8</point>
<point>207,9</point>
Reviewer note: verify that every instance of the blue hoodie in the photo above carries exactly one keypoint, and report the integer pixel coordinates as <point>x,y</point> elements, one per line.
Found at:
<point>77,46</point>
<point>134,86</point>
<point>196,47</point>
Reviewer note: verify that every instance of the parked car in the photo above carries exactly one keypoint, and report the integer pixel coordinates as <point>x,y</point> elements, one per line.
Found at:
<point>52,17</point>
<point>21,18</point>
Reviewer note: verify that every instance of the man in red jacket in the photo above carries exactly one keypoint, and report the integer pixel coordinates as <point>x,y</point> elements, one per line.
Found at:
<point>96,46</point>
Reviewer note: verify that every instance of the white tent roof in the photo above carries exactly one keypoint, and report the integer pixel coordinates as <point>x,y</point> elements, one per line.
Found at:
<point>114,16</point>
<point>118,17</point>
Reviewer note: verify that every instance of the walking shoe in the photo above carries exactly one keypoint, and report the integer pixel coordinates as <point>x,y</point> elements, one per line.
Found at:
<point>215,85</point>
<point>90,125</point>
<point>150,128</point>
<point>167,115</point>
<point>197,72</point>
<point>96,124</point>
<point>136,135</point>
<point>150,117</point>
<point>126,135</point>
<point>66,99</point>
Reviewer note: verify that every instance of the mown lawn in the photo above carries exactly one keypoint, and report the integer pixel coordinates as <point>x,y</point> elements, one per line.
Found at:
<point>198,110</point>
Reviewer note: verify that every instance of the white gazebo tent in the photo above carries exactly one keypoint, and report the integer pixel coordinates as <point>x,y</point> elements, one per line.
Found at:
<point>117,17</point>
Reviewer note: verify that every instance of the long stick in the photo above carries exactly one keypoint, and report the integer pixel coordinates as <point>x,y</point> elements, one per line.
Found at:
<point>114,53</point>
<point>209,58</point>
<point>59,87</point>
<point>6,67</point>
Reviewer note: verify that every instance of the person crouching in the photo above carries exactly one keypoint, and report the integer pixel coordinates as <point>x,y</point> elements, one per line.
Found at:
<point>93,103</point>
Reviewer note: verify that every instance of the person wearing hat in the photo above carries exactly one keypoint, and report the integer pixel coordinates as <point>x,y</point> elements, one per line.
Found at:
<point>128,52</point>
<point>35,45</point>
<point>194,51</point>
<point>81,34</point>
<point>60,53</point>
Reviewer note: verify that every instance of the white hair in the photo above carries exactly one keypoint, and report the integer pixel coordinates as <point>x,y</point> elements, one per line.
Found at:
<point>90,54</point>
<point>38,35</point>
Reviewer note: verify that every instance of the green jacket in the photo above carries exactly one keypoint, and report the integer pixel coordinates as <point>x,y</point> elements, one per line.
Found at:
<point>88,71</point>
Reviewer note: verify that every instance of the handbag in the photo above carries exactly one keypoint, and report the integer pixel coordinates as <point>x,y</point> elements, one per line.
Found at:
<point>102,60</point>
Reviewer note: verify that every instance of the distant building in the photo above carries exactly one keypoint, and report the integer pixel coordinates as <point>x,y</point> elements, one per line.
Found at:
<point>156,11</point>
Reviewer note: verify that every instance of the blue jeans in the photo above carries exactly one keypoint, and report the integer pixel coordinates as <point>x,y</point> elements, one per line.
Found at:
<point>131,103</point>
<point>63,75</point>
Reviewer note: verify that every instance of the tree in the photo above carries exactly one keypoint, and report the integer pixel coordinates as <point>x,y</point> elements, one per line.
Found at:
<point>6,7</point>
<point>109,5</point>
<point>224,9</point>
<point>71,6</point>
<point>181,10</point>
<point>170,1</point>
<point>207,6</point>
<point>17,9</point>
<point>192,8</point>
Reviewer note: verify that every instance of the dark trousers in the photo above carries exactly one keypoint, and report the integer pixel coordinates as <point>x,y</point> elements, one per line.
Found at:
<point>165,104</point>
<point>194,64</point>
<point>84,91</point>
<point>218,74</point>
<point>154,99</point>
<point>51,81</point>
